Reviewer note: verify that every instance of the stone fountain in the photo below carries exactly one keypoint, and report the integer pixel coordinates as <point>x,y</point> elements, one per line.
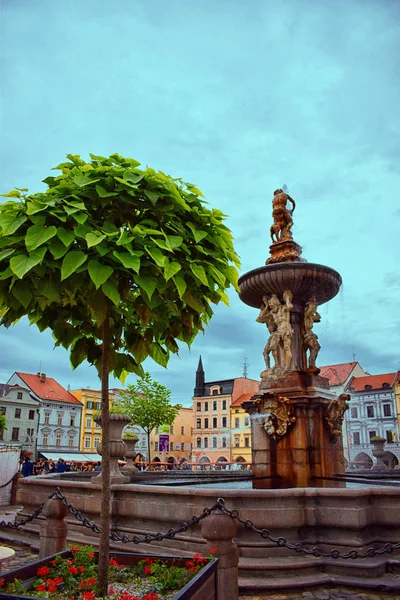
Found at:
<point>296,421</point>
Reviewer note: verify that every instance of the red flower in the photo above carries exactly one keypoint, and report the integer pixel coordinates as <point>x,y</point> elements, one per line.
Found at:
<point>41,587</point>
<point>2,581</point>
<point>91,554</point>
<point>82,569</point>
<point>212,550</point>
<point>113,562</point>
<point>74,549</point>
<point>58,579</point>
<point>147,570</point>
<point>43,571</point>
<point>111,591</point>
<point>73,570</point>
<point>88,596</point>
<point>149,561</point>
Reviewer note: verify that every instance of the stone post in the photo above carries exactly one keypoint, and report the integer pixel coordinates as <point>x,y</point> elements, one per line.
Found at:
<point>54,530</point>
<point>219,530</point>
<point>14,488</point>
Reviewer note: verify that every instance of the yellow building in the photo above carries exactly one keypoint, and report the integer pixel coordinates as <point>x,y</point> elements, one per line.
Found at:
<point>179,440</point>
<point>397,398</point>
<point>240,431</point>
<point>90,432</point>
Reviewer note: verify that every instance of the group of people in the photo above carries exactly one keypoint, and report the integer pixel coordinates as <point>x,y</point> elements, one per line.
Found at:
<point>44,466</point>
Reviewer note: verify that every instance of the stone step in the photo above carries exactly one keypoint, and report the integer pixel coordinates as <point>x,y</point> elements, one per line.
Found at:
<point>20,538</point>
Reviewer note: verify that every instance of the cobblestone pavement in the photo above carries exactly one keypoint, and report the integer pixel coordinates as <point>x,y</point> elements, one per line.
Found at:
<point>22,556</point>
<point>330,594</point>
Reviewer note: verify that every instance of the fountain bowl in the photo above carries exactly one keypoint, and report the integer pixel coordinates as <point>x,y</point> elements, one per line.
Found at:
<point>307,281</point>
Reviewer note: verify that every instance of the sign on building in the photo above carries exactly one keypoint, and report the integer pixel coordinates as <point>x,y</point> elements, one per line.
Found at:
<point>163,443</point>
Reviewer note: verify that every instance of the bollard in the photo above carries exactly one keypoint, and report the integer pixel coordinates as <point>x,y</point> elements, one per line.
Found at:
<point>14,488</point>
<point>54,530</point>
<point>219,530</point>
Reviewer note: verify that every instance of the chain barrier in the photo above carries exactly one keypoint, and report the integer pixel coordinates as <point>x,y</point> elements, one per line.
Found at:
<point>3,485</point>
<point>298,547</point>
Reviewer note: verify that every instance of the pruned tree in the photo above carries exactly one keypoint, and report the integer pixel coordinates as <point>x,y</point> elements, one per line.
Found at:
<point>120,263</point>
<point>148,404</point>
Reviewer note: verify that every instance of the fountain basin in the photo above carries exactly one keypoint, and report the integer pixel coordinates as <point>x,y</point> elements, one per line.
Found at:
<point>307,281</point>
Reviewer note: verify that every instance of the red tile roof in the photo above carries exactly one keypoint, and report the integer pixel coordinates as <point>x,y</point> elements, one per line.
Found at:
<point>49,389</point>
<point>337,374</point>
<point>241,399</point>
<point>375,381</point>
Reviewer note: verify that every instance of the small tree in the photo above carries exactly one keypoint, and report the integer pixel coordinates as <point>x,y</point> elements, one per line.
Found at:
<point>119,263</point>
<point>3,422</point>
<point>148,404</point>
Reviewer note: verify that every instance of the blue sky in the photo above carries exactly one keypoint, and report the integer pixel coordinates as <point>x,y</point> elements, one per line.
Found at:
<point>240,98</point>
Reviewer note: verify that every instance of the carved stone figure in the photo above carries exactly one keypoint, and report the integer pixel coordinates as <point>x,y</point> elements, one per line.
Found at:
<point>283,222</point>
<point>335,414</point>
<point>276,316</point>
<point>310,339</point>
<point>279,416</point>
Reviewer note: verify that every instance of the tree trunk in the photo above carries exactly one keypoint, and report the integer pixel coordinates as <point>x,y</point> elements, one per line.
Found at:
<point>148,448</point>
<point>104,546</point>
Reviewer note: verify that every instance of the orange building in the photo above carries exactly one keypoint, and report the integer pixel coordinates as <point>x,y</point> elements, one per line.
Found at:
<point>178,437</point>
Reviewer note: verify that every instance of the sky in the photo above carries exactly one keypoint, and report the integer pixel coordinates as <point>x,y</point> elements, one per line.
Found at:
<point>239,98</point>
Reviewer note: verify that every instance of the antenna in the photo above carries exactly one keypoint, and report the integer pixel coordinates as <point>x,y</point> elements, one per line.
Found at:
<point>245,367</point>
<point>354,354</point>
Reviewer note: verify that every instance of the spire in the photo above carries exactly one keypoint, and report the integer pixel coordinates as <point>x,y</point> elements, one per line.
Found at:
<point>199,389</point>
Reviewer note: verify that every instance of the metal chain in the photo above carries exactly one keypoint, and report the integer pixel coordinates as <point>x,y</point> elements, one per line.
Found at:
<point>3,485</point>
<point>388,548</point>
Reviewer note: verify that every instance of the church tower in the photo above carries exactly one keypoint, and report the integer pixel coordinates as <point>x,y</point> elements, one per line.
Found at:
<point>199,389</point>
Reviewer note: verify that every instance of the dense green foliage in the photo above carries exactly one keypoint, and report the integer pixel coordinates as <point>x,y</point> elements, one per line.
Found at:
<point>108,236</point>
<point>3,422</point>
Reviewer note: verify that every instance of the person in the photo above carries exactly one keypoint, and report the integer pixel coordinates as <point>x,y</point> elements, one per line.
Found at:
<point>27,468</point>
<point>52,467</point>
<point>60,466</point>
<point>98,467</point>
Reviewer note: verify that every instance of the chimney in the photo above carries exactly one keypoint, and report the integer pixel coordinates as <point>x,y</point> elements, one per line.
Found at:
<point>43,377</point>
<point>38,374</point>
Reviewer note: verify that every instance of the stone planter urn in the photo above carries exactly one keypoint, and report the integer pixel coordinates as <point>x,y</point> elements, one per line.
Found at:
<point>130,454</point>
<point>379,452</point>
<point>118,448</point>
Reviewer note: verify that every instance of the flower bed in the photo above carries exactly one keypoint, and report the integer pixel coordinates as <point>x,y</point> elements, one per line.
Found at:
<point>71,575</point>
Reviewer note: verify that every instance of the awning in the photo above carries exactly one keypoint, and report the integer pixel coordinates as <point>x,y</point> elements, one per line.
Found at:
<point>70,456</point>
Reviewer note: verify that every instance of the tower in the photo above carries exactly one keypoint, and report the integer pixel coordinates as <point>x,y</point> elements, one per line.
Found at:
<point>199,389</point>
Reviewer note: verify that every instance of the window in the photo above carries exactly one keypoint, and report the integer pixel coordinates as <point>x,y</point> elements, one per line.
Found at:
<point>198,442</point>
<point>87,442</point>
<point>368,387</point>
<point>198,423</point>
<point>156,431</point>
<point>224,422</point>
<point>390,436</point>
<point>29,432</point>
<point>247,442</point>
<point>224,443</point>
<point>206,423</point>
<point>97,426</point>
<point>156,446</point>
<point>387,410</point>
<point>236,410</point>
<point>31,414</point>
<point>59,418</point>
<point>71,441</point>
<point>371,434</point>
<point>214,442</point>
<point>385,385</point>
<point>89,405</point>
<point>215,405</point>
<point>17,413</point>
<point>215,392</point>
<point>237,422</point>
<point>19,395</point>
<point>205,442</point>
<point>3,410</point>
<point>198,406</point>
<point>223,404</point>
<point>206,406</point>
<point>182,430</point>
<point>97,441</point>
<point>97,405</point>
<point>88,422</point>
<point>215,422</point>
<point>237,442</point>
<point>171,429</point>
<point>356,438</point>
<point>246,421</point>
<point>354,412</point>
<point>370,412</point>
<point>72,421</point>
<point>58,439</point>
<point>46,418</point>
<point>171,446</point>
<point>45,439</point>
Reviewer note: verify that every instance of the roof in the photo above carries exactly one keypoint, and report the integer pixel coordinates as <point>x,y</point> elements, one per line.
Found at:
<point>337,374</point>
<point>47,388</point>
<point>243,398</point>
<point>375,381</point>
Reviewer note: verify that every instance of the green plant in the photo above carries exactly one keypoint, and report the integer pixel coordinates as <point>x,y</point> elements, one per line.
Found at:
<point>129,435</point>
<point>120,263</point>
<point>3,422</point>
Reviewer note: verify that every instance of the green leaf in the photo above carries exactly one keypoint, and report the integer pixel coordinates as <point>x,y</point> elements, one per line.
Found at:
<point>180,285</point>
<point>156,254</point>
<point>171,269</point>
<point>82,180</point>
<point>217,275</point>
<point>71,262</point>
<point>22,293</point>
<point>129,261</point>
<point>174,241</point>
<point>93,239</point>
<point>66,236</point>
<point>9,223</point>
<point>199,272</point>
<point>50,290</point>
<point>99,273</point>
<point>193,302</point>
<point>6,252</point>
<point>148,284</point>
<point>133,177</point>
<point>81,217</point>
<point>111,292</point>
<point>38,235</point>
<point>13,194</point>
<point>102,193</point>
<point>198,234</point>
<point>158,354</point>
<point>21,264</point>
<point>57,248</point>
<point>152,196</point>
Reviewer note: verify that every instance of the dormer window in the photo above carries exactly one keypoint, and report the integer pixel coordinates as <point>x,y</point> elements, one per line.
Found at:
<point>369,387</point>
<point>215,390</point>
<point>385,385</point>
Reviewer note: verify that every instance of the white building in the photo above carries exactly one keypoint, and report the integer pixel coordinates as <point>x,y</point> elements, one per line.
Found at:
<point>21,410</point>
<point>60,412</point>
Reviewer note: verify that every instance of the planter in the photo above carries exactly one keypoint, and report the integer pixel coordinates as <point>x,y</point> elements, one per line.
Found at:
<point>378,451</point>
<point>118,448</point>
<point>130,455</point>
<point>203,585</point>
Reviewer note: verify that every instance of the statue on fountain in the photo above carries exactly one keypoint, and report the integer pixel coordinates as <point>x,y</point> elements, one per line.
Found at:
<point>276,316</point>
<point>283,222</point>
<point>310,339</point>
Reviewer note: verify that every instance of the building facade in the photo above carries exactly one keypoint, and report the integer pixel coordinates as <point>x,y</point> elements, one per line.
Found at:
<point>240,430</point>
<point>373,412</point>
<point>59,412</point>
<point>179,442</point>
<point>21,410</point>
<point>90,432</point>
<point>212,401</point>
